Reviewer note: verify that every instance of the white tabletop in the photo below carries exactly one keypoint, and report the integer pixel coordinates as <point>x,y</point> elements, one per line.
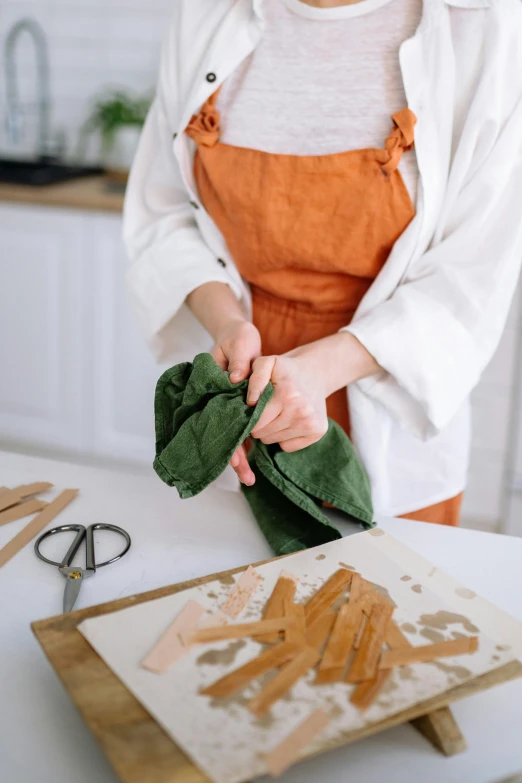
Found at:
<point>43,738</point>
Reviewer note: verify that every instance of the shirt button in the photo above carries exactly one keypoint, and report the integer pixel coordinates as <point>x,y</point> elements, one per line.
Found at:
<point>193,204</point>
<point>220,261</point>
<point>174,136</point>
<point>211,77</point>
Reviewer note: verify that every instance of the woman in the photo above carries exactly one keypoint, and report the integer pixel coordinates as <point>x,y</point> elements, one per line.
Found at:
<point>364,266</point>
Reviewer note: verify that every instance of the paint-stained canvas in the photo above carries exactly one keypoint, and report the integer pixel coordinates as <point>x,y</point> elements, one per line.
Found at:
<point>229,743</point>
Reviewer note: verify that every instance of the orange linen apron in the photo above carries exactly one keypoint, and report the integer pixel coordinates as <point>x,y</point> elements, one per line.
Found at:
<point>308,233</point>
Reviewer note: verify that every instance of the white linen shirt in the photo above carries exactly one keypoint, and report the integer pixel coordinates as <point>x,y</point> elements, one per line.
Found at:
<point>435,314</point>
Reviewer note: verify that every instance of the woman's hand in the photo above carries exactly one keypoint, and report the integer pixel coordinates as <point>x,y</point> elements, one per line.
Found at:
<point>295,417</point>
<point>237,346</point>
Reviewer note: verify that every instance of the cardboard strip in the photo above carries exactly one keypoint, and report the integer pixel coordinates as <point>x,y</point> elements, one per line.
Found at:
<point>290,749</point>
<point>242,592</point>
<point>428,652</point>
<point>24,509</point>
<point>268,660</point>
<point>335,657</point>
<point>12,496</point>
<point>327,595</point>
<point>169,647</point>
<point>36,525</point>
<point>282,682</point>
<point>239,631</point>
<point>366,661</point>
<point>317,634</point>
<point>395,639</point>
<point>296,631</point>
<point>284,590</point>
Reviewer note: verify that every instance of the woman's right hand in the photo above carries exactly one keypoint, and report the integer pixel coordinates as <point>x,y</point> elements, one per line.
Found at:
<point>237,346</point>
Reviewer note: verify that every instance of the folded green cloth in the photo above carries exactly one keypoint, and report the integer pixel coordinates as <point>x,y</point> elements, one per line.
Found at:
<point>201,418</point>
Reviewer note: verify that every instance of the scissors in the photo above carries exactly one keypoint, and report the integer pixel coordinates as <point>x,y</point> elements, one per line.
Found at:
<point>74,576</point>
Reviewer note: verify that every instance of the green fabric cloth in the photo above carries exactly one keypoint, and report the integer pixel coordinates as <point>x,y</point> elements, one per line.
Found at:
<point>201,418</point>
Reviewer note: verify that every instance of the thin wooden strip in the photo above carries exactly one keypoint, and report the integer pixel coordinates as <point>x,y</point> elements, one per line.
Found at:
<point>395,639</point>
<point>282,682</point>
<point>429,652</point>
<point>24,509</point>
<point>290,749</point>
<point>36,525</point>
<point>360,632</point>
<point>169,647</point>
<point>356,588</point>
<point>34,488</point>
<point>214,620</point>
<point>317,634</point>
<point>239,631</point>
<point>296,631</point>
<point>327,595</point>
<point>268,660</point>
<point>242,592</point>
<point>284,589</point>
<point>366,661</point>
<point>2,490</point>
<point>342,638</point>
<point>365,693</point>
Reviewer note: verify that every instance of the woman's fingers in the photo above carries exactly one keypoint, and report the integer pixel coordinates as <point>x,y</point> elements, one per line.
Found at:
<point>262,370</point>
<point>219,357</point>
<point>240,464</point>
<point>296,444</point>
<point>239,369</point>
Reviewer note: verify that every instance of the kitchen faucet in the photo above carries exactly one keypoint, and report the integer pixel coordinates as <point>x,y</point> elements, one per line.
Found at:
<point>14,115</point>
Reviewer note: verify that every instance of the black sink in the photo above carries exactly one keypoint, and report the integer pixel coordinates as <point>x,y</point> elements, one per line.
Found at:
<point>43,171</point>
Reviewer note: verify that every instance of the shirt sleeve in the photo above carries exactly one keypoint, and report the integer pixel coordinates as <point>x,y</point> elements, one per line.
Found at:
<point>437,332</point>
<point>168,255</point>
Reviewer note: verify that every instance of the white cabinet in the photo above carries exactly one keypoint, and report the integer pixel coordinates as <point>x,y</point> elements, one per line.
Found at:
<point>42,335</point>
<point>75,373</point>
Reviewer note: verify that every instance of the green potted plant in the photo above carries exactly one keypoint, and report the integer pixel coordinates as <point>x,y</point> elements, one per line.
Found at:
<point>118,118</point>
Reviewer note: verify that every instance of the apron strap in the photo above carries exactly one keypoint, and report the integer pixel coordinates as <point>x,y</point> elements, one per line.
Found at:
<point>204,128</point>
<point>400,139</point>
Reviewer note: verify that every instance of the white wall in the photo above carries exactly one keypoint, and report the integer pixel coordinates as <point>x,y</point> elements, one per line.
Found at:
<point>93,45</point>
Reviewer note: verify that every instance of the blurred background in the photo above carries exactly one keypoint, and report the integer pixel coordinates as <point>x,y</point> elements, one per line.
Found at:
<point>76,380</point>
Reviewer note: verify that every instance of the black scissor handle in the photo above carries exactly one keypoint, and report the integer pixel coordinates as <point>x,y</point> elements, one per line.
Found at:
<point>79,529</point>
<point>88,534</point>
<point>91,563</point>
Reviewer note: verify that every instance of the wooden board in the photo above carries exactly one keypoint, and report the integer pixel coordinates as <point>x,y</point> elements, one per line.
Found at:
<point>136,746</point>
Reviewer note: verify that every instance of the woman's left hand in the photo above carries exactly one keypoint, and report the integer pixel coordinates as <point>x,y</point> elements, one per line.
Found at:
<point>295,417</point>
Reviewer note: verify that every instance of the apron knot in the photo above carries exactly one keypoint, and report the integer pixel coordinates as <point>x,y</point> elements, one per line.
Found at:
<point>204,128</point>
<point>400,139</point>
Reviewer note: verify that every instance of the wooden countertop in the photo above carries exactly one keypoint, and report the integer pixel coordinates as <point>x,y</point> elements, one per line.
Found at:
<point>90,193</point>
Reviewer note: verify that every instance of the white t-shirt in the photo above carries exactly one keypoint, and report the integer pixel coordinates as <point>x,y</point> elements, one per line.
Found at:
<point>322,80</point>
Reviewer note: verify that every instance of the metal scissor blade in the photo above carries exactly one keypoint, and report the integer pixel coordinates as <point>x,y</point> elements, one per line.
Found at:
<point>73,582</point>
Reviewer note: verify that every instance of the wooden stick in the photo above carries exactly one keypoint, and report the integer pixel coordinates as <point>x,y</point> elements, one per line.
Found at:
<point>268,660</point>
<point>356,588</point>
<point>242,592</point>
<point>365,693</point>
<point>169,648</point>
<point>340,644</point>
<point>284,590</point>
<point>36,525</point>
<point>290,749</point>
<point>296,631</point>
<point>428,652</point>
<point>366,661</point>
<point>327,595</point>
<point>317,634</point>
<point>282,682</point>
<point>239,631</point>
<point>21,510</point>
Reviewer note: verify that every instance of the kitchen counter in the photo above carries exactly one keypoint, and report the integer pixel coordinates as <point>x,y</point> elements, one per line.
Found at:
<point>90,193</point>
<point>42,737</point>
